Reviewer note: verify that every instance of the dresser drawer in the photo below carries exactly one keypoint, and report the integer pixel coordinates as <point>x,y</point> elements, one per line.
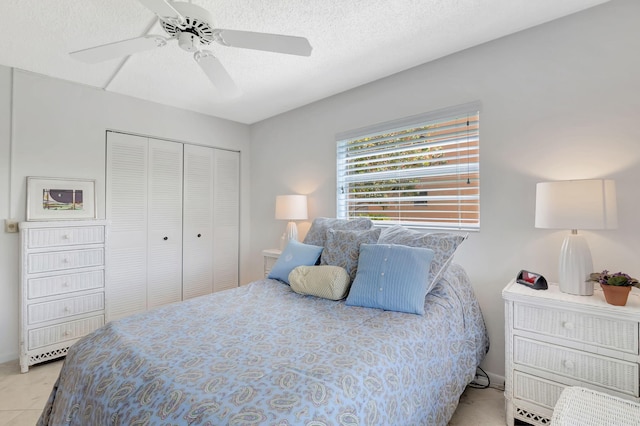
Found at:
<point>71,330</point>
<point>536,390</point>
<point>68,236</point>
<point>62,284</point>
<point>61,260</point>
<point>619,375</point>
<point>62,308</point>
<point>617,334</point>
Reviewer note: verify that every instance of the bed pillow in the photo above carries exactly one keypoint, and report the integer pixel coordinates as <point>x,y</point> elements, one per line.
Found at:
<point>343,247</point>
<point>318,232</point>
<point>326,281</point>
<point>443,244</point>
<point>294,254</point>
<point>391,277</point>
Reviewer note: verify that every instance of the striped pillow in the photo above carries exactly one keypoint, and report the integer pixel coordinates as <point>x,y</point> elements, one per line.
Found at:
<point>391,277</point>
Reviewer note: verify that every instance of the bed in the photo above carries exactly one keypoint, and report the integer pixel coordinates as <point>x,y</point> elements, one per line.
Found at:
<point>263,354</point>
<point>386,330</point>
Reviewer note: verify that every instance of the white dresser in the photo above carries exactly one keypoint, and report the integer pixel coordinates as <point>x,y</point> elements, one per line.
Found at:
<point>62,279</point>
<point>554,340</point>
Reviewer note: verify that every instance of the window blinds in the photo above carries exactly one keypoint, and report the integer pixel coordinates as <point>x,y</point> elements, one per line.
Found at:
<point>421,171</point>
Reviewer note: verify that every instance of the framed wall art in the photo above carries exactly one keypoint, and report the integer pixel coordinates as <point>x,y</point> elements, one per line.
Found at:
<point>60,199</point>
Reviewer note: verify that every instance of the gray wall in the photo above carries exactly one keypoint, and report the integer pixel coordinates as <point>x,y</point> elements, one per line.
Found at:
<point>59,131</point>
<point>559,101</point>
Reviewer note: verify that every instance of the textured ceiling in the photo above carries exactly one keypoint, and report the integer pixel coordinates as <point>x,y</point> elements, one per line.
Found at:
<point>354,42</point>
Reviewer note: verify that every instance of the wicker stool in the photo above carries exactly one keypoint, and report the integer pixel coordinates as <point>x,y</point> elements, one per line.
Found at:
<point>584,407</point>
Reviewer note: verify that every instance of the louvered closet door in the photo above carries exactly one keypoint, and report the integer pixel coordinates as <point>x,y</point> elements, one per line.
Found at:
<point>226,219</point>
<point>164,243</point>
<point>197,270</point>
<point>126,209</point>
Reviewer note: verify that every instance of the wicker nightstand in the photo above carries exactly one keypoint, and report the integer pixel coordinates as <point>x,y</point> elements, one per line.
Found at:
<point>586,407</point>
<point>554,340</point>
<point>270,257</point>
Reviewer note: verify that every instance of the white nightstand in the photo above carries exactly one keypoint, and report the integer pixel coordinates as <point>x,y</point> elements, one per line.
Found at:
<point>554,340</point>
<point>270,257</point>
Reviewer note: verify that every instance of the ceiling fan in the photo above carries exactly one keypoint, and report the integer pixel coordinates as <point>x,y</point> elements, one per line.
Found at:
<point>191,26</point>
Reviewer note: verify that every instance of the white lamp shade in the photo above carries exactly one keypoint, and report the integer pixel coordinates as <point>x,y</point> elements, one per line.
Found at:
<point>576,204</point>
<point>291,207</point>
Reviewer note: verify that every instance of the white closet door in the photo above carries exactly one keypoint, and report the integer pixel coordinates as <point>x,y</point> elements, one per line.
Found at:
<point>197,269</point>
<point>164,243</point>
<point>126,209</point>
<point>226,219</point>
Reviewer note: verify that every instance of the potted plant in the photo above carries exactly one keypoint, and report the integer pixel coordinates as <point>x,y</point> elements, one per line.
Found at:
<point>616,286</point>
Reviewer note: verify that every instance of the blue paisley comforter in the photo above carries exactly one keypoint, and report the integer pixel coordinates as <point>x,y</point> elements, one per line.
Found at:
<point>264,355</point>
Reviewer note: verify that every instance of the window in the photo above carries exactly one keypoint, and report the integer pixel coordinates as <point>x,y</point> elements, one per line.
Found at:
<point>422,171</point>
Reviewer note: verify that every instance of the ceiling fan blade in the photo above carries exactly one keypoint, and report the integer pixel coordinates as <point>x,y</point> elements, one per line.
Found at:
<point>163,9</point>
<point>118,49</point>
<point>218,75</point>
<point>262,41</point>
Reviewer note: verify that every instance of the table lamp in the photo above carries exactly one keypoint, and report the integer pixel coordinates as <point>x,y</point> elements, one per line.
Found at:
<point>576,204</point>
<point>291,207</point>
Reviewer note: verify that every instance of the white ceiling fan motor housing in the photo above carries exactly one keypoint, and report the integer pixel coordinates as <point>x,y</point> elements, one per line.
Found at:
<point>195,29</point>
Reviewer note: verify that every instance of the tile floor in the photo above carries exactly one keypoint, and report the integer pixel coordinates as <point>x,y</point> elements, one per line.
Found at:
<point>22,397</point>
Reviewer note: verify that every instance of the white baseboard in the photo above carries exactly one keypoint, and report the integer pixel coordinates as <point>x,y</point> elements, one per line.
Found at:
<point>497,382</point>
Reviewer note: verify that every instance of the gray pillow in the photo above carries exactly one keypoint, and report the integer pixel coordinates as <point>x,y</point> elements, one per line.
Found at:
<point>443,244</point>
<point>342,248</point>
<point>318,231</point>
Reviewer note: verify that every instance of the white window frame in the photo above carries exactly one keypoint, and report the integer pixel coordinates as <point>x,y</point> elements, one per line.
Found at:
<point>454,206</point>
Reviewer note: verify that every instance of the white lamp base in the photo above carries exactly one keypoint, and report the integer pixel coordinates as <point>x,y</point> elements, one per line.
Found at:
<point>292,232</point>
<point>575,266</point>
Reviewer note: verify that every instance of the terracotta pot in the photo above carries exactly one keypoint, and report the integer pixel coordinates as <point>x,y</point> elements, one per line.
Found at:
<point>616,294</point>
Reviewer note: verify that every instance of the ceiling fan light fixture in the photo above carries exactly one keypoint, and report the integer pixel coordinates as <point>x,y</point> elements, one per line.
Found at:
<point>189,42</point>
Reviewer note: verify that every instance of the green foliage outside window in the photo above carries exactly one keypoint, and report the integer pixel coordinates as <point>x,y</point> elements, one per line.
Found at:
<point>379,161</point>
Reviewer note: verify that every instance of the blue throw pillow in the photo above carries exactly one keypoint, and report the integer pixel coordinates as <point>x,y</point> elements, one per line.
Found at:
<point>391,277</point>
<point>295,254</point>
